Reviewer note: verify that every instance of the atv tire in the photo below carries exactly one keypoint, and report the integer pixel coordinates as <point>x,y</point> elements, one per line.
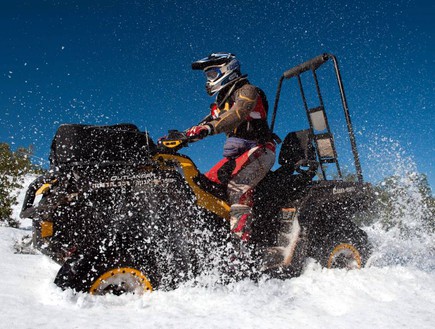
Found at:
<point>345,248</point>
<point>109,273</point>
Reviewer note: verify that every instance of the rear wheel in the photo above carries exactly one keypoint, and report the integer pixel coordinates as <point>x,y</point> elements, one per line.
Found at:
<point>344,255</point>
<point>348,249</point>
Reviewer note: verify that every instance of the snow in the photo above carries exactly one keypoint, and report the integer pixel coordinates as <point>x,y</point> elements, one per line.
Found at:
<point>396,290</point>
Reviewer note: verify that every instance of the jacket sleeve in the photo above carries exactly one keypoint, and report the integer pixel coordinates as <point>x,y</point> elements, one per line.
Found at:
<point>245,100</point>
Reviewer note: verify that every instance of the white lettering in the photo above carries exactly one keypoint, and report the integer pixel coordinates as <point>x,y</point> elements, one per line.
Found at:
<point>339,190</point>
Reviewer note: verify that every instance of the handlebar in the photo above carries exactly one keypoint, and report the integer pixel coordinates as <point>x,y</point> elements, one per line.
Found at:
<point>174,141</point>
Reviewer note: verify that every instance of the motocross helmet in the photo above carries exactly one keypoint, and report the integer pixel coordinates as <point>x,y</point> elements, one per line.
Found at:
<point>221,69</point>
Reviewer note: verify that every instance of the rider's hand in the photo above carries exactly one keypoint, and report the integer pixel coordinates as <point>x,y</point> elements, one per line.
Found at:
<point>198,132</point>
<point>161,139</point>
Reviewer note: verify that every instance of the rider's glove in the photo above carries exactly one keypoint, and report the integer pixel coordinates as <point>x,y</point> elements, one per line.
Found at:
<point>198,132</point>
<point>161,139</point>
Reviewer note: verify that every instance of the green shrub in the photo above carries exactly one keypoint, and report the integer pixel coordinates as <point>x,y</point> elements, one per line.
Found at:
<point>13,167</point>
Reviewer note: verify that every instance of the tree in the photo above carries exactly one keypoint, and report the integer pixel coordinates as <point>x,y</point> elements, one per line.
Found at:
<point>13,167</point>
<point>405,202</point>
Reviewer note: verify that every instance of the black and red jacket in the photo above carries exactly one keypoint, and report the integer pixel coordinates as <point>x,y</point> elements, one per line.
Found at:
<point>242,113</point>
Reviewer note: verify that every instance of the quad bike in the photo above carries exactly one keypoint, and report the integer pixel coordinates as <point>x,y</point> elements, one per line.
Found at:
<point>122,214</point>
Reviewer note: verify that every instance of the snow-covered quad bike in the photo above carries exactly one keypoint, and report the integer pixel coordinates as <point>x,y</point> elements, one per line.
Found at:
<point>122,214</point>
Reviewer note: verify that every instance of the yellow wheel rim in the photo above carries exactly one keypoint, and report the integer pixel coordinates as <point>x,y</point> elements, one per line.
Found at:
<point>345,256</point>
<point>123,279</point>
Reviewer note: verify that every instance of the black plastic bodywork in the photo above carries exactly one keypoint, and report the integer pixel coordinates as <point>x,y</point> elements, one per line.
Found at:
<point>149,211</point>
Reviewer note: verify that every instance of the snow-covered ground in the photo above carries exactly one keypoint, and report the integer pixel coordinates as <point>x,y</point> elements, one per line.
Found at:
<point>396,291</point>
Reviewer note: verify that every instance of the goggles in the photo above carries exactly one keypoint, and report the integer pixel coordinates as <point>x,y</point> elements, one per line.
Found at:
<point>213,73</point>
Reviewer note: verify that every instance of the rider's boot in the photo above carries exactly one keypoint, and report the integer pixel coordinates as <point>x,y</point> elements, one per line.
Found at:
<point>241,221</point>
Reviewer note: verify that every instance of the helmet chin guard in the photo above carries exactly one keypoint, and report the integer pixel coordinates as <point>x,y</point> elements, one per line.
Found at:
<point>221,69</point>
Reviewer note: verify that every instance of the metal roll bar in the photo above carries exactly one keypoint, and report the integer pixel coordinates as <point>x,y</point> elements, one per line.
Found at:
<point>312,65</point>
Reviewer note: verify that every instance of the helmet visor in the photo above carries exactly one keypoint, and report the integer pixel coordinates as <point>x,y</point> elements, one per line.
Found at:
<point>213,73</point>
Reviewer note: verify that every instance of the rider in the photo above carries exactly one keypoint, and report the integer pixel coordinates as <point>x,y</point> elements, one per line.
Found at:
<point>240,111</point>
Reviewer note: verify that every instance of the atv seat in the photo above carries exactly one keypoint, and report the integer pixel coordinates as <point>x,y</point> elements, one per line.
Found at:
<point>297,154</point>
<point>284,185</point>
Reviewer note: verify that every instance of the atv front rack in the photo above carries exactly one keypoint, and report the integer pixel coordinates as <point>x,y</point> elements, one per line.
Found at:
<point>322,136</point>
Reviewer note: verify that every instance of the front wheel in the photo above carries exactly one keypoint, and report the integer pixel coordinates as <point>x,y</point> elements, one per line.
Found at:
<point>100,274</point>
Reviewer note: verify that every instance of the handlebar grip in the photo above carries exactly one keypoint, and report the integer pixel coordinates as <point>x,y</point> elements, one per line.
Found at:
<point>312,64</point>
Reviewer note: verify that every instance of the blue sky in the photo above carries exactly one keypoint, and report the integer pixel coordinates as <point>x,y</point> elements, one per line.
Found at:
<point>105,62</point>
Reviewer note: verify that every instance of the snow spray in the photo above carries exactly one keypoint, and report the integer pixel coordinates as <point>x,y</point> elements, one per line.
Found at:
<point>402,230</point>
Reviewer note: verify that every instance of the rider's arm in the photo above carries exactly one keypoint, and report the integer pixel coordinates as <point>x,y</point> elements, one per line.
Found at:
<point>245,101</point>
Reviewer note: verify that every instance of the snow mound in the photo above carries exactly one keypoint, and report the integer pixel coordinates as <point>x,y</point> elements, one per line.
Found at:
<point>375,297</point>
